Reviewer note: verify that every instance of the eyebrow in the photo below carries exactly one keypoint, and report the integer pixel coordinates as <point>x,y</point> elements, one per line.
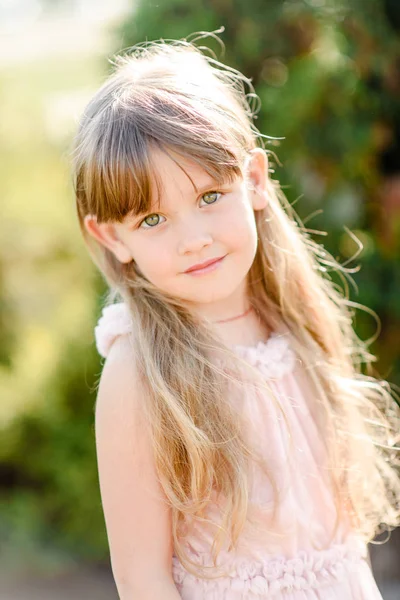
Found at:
<point>211,183</point>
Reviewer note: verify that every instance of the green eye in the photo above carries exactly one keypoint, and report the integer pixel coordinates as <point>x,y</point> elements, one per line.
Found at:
<point>152,220</point>
<point>210,197</point>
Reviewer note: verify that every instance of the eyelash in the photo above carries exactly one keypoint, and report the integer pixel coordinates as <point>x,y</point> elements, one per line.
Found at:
<point>152,214</point>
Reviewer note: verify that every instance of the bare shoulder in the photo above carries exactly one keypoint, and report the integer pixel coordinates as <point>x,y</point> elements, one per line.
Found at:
<point>119,410</point>
<point>121,354</point>
<point>119,382</point>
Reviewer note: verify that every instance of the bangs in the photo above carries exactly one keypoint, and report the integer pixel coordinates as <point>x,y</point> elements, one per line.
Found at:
<point>121,177</point>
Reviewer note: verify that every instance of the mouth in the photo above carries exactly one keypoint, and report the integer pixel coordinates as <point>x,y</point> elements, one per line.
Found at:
<point>206,266</point>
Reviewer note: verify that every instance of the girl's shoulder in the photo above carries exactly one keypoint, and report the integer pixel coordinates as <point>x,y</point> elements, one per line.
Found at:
<point>274,358</point>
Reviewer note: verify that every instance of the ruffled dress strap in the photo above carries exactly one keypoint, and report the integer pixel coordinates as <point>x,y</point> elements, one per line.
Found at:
<point>274,358</point>
<point>115,321</point>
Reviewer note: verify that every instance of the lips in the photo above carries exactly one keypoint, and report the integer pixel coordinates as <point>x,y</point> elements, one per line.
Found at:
<point>203,265</point>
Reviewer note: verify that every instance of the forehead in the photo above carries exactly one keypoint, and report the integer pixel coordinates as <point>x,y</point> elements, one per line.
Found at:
<point>175,174</point>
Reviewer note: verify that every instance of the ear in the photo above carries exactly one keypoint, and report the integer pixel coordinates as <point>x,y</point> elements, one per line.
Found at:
<point>257,176</point>
<point>106,234</point>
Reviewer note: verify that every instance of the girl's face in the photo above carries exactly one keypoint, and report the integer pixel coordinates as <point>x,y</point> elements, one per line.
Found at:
<point>190,227</point>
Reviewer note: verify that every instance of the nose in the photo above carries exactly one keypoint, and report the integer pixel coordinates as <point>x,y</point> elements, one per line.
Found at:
<point>193,237</point>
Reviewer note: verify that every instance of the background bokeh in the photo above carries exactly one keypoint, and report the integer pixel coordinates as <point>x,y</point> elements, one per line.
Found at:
<point>328,76</point>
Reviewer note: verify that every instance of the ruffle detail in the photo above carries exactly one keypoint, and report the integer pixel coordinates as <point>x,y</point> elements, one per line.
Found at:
<point>273,358</point>
<point>115,321</point>
<point>306,571</point>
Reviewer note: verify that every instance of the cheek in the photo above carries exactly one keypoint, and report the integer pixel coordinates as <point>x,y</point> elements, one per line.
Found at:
<point>241,230</point>
<point>153,261</point>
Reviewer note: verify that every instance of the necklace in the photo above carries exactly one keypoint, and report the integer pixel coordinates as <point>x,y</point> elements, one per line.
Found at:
<point>237,316</point>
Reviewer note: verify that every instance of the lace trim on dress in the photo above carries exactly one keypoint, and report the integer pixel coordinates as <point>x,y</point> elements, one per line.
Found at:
<point>273,358</point>
<point>306,571</point>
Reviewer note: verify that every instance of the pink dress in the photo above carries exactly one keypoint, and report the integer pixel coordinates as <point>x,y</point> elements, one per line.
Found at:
<point>293,560</point>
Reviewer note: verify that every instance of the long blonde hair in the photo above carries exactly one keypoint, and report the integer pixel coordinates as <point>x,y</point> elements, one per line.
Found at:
<point>174,96</point>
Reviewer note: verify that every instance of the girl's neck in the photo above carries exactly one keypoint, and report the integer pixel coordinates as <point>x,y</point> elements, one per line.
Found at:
<point>231,320</point>
<point>236,317</point>
<point>247,330</point>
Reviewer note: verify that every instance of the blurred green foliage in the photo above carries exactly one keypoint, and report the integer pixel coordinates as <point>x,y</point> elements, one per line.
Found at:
<point>327,73</point>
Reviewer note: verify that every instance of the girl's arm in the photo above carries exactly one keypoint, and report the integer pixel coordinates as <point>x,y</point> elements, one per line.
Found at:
<point>138,520</point>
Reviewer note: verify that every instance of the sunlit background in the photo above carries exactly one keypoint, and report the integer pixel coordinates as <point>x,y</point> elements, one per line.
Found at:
<point>328,76</point>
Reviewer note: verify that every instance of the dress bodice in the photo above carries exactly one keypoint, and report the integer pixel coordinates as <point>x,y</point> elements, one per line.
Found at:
<point>295,551</point>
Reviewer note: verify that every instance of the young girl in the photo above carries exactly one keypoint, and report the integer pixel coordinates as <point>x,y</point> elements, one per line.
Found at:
<point>242,453</point>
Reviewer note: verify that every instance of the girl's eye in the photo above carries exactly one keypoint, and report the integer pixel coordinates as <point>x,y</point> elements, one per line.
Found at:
<point>151,221</point>
<point>210,197</point>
